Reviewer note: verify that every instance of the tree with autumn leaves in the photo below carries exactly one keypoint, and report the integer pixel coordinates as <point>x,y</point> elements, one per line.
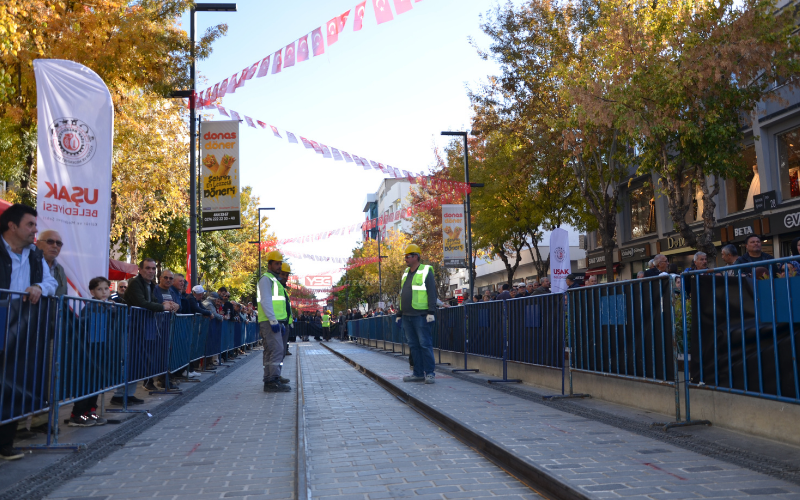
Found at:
<point>632,88</point>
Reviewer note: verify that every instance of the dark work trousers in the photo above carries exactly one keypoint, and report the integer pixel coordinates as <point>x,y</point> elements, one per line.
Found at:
<point>84,406</point>
<point>7,433</point>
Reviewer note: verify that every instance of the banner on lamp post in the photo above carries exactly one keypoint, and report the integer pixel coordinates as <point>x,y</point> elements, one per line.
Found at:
<point>219,149</point>
<point>74,154</point>
<point>453,235</point>
<point>560,266</point>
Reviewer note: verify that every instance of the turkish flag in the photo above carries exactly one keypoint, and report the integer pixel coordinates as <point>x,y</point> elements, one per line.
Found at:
<point>347,157</point>
<point>288,60</point>
<point>252,71</point>
<point>262,124</point>
<point>243,78</point>
<point>358,21</point>
<point>382,11</point>
<point>342,20</point>
<point>336,155</point>
<point>325,151</point>
<point>232,84</point>
<point>223,87</point>
<point>401,6</point>
<point>306,142</point>
<point>249,121</point>
<point>222,110</point>
<point>277,63</point>
<point>302,49</point>
<point>275,131</point>
<point>235,116</point>
<point>264,69</point>
<point>332,30</point>
<point>291,137</point>
<point>317,44</point>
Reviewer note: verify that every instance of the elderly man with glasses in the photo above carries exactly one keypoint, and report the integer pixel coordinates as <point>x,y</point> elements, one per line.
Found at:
<point>50,243</point>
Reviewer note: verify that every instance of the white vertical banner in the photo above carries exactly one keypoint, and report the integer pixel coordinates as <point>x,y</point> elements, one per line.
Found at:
<point>76,131</point>
<point>560,266</point>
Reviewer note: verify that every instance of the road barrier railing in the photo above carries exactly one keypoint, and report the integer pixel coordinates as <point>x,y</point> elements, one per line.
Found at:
<point>741,329</point>
<point>62,350</point>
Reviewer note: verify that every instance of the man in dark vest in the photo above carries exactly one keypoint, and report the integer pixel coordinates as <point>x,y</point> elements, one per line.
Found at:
<point>22,269</point>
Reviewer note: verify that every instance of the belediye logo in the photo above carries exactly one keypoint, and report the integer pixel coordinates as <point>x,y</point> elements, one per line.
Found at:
<point>560,253</point>
<point>73,141</point>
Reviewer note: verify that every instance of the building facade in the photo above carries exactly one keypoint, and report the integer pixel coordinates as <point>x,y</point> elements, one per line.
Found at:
<point>766,203</point>
<point>390,196</point>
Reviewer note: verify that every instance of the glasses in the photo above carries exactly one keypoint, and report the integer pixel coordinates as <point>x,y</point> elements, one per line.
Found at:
<point>168,278</point>
<point>57,243</point>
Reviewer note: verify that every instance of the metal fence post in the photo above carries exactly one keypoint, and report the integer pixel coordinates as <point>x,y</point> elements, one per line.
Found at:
<point>504,327</point>
<point>466,345</point>
<point>564,327</point>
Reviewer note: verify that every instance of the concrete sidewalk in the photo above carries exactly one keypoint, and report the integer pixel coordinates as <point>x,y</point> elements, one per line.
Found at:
<point>594,458</point>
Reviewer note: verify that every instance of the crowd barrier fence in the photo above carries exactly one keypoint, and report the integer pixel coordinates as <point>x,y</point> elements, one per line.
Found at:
<point>65,349</point>
<point>740,329</point>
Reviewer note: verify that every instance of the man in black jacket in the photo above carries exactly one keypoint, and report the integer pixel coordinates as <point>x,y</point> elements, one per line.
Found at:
<point>662,266</point>
<point>544,288</point>
<point>141,290</point>
<point>24,271</point>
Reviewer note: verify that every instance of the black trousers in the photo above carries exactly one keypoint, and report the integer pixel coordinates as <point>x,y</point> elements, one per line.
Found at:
<point>85,405</point>
<point>7,433</point>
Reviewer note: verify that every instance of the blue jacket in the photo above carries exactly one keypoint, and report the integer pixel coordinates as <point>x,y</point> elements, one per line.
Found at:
<point>194,307</point>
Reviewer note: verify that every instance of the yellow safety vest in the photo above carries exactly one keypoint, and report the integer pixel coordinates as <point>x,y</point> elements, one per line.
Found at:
<point>419,294</point>
<point>278,301</point>
<point>326,320</point>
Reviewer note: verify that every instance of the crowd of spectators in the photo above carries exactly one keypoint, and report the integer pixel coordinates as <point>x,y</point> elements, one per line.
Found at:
<point>30,265</point>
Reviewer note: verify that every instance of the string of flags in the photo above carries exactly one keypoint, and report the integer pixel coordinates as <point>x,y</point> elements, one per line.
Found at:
<point>298,50</point>
<point>326,152</point>
<point>403,213</point>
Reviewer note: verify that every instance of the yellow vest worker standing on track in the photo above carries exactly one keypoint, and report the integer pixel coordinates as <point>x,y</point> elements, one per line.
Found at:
<point>286,270</point>
<point>417,307</point>
<point>326,325</point>
<point>271,311</point>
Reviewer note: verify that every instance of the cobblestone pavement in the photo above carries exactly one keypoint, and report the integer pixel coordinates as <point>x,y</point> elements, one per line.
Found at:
<point>233,440</point>
<point>600,460</point>
<point>365,444</point>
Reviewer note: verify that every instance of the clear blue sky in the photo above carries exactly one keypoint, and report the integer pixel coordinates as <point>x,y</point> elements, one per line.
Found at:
<point>384,93</point>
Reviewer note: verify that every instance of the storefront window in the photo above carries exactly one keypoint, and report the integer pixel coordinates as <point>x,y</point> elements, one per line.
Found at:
<point>643,211</point>
<point>740,194</point>
<point>789,158</point>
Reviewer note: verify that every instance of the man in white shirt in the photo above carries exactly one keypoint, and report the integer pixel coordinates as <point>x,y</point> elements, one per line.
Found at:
<point>22,269</point>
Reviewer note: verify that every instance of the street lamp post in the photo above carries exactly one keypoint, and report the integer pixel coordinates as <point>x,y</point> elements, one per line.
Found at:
<point>259,241</point>
<point>470,266</point>
<point>191,94</point>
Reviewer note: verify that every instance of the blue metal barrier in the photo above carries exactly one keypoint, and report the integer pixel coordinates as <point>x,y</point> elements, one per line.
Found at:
<point>148,344</point>
<point>181,342</point>
<point>27,333</point>
<point>199,337</point>
<point>536,330</point>
<point>740,329</point>
<point>485,329</point>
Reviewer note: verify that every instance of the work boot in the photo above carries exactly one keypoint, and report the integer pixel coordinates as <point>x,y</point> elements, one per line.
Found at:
<point>284,380</point>
<point>276,387</point>
<point>413,378</point>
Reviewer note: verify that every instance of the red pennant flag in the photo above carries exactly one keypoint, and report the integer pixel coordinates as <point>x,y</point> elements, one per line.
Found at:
<point>264,69</point>
<point>252,71</point>
<point>358,21</point>
<point>275,131</point>
<point>342,20</point>
<point>223,87</point>
<point>232,84</point>
<point>242,78</point>
<point>288,61</point>
<point>316,147</point>
<point>291,137</point>
<point>336,155</point>
<point>302,49</point>
<point>214,92</point>
<point>277,63</point>
<point>401,6</point>
<point>382,11</point>
<point>332,30</point>
<point>249,121</point>
<point>316,42</point>
<point>222,110</point>
<point>375,165</point>
<point>262,124</point>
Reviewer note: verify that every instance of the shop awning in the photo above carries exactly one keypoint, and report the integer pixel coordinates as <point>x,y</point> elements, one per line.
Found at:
<point>602,270</point>
<point>118,270</point>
